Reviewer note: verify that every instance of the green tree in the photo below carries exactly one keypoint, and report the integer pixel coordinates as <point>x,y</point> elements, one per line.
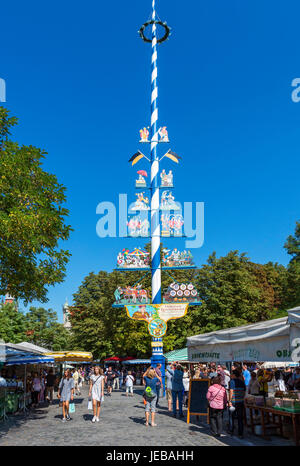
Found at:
<point>31,220</point>
<point>12,324</point>
<point>101,329</point>
<point>234,291</point>
<point>292,247</point>
<point>43,329</point>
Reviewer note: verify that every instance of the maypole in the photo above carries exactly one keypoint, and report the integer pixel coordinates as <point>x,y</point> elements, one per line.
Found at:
<point>176,299</point>
<point>157,347</point>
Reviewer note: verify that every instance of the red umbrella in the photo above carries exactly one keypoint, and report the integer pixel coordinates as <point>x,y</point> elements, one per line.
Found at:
<point>113,358</point>
<point>143,173</point>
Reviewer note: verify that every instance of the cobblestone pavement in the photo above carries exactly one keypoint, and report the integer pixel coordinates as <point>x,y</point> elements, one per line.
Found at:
<point>121,424</point>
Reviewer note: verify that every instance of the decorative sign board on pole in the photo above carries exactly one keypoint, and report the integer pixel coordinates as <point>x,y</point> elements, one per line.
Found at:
<point>157,315</point>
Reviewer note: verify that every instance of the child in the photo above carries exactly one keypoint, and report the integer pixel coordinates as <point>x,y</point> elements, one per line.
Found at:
<point>129,383</point>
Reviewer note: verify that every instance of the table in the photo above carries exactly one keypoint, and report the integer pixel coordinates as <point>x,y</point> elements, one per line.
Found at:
<point>275,413</point>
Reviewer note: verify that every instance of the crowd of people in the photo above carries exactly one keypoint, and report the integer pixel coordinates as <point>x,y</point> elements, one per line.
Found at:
<point>226,393</point>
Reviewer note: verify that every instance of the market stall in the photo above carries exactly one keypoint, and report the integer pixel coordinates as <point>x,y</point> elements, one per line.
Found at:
<point>17,392</point>
<point>271,340</point>
<point>280,413</point>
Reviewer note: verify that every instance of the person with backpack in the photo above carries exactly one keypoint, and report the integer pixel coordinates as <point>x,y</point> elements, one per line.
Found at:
<point>129,384</point>
<point>217,399</point>
<point>66,394</point>
<point>151,380</point>
<point>96,391</point>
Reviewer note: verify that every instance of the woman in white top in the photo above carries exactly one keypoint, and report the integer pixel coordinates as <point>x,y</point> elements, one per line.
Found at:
<point>129,383</point>
<point>97,391</point>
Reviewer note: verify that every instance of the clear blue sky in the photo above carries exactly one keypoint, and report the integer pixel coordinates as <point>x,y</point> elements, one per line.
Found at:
<point>78,78</point>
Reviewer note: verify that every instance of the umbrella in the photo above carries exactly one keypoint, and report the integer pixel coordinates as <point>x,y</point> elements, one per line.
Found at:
<point>113,358</point>
<point>143,173</point>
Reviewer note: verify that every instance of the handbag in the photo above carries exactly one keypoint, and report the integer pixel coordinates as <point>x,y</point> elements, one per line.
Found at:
<point>90,404</point>
<point>72,408</point>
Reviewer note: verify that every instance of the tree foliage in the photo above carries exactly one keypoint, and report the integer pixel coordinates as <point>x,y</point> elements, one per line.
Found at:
<point>12,324</point>
<point>292,247</point>
<point>43,329</point>
<point>31,220</point>
<point>233,291</point>
<point>38,326</point>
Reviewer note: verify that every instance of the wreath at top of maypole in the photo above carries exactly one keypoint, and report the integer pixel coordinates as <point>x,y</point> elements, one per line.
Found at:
<point>160,23</point>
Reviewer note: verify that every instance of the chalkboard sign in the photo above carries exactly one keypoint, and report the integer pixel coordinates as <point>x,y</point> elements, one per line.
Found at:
<point>198,403</point>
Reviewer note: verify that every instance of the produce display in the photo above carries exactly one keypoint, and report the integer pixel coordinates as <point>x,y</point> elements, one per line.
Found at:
<point>289,401</point>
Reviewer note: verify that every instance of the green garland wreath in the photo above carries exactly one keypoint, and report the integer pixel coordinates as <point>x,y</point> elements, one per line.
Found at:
<point>163,24</point>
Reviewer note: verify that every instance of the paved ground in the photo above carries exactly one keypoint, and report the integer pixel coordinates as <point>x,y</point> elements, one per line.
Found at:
<point>121,424</point>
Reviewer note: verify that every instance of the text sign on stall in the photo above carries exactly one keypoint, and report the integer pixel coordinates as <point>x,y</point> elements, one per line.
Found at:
<point>198,403</point>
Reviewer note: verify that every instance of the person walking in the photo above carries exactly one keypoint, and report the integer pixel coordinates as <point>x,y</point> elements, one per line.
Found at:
<point>129,383</point>
<point>50,381</point>
<point>217,399</point>
<point>36,388</point>
<point>237,391</point>
<point>96,391</point>
<point>66,394</point>
<point>76,381</point>
<point>151,378</point>
<point>110,375</point>
<point>116,382</point>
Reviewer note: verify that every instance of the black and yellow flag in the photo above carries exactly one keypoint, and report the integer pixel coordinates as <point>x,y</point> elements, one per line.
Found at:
<point>136,157</point>
<point>171,155</point>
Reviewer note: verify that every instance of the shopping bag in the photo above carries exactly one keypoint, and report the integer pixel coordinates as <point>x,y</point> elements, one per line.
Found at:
<point>72,408</point>
<point>90,404</point>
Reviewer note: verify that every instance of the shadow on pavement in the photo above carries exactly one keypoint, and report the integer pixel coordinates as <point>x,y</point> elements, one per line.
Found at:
<point>138,420</point>
<point>19,419</point>
<point>88,417</point>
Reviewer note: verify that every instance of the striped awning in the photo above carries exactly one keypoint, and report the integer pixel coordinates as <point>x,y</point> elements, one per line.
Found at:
<point>71,356</point>
<point>177,355</point>
<point>33,359</point>
<point>137,361</point>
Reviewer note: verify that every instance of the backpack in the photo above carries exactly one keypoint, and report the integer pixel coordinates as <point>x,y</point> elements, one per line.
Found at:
<point>148,394</point>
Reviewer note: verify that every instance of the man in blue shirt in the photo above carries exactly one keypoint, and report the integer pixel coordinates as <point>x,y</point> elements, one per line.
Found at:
<point>246,374</point>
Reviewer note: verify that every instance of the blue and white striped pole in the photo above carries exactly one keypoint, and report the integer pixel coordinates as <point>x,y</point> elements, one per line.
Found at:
<point>157,351</point>
<point>155,221</point>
